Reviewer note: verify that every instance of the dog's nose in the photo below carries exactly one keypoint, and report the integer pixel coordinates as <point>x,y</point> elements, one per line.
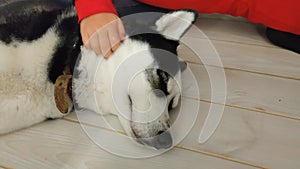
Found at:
<point>163,139</point>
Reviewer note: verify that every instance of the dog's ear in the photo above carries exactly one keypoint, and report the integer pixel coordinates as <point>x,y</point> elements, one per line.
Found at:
<point>173,25</point>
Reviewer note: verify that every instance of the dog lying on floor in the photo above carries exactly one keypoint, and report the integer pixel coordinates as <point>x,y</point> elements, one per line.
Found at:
<point>37,45</point>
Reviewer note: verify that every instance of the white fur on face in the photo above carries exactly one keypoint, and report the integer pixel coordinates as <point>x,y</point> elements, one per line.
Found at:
<point>97,75</point>
<point>94,86</point>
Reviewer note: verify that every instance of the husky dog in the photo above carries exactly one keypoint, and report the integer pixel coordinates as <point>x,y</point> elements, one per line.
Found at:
<point>37,44</point>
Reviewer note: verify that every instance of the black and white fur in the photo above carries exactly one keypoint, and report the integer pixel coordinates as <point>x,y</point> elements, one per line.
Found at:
<point>37,45</point>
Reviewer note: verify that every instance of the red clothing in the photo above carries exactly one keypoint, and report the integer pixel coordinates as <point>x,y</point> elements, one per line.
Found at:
<point>276,14</point>
<point>86,8</point>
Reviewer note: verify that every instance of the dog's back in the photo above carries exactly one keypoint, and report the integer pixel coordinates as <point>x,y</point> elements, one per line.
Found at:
<point>36,44</point>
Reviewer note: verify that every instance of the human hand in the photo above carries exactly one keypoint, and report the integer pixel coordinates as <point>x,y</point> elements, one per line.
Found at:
<point>102,33</point>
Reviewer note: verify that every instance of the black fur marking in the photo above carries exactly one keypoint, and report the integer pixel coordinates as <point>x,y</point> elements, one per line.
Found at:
<point>165,56</point>
<point>160,82</point>
<point>163,81</point>
<point>32,19</point>
<point>156,40</point>
<point>141,29</point>
<point>27,28</point>
<point>164,51</point>
<point>67,50</point>
<point>77,72</point>
<point>130,103</point>
<point>166,59</point>
<point>170,104</point>
<point>28,20</point>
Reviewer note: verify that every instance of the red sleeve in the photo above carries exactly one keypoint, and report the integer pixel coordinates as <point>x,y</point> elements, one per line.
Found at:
<point>278,14</point>
<point>86,8</point>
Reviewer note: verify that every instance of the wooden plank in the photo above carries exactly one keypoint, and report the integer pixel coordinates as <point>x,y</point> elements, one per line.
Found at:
<point>230,31</point>
<point>258,138</point>
<point>4,167</point>
<point>245,136</point>
<point>62,144</point>
<point>257,92</point>
<point>272,61</point>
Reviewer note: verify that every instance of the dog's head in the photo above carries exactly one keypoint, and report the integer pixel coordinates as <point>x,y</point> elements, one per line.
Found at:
<point>156,90</point>
<point>141,81</point>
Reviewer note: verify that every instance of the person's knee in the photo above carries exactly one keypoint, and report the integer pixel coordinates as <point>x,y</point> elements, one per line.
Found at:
<point>284,39</point>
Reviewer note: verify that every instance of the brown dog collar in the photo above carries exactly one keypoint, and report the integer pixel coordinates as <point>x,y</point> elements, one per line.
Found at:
<point>63,92</point>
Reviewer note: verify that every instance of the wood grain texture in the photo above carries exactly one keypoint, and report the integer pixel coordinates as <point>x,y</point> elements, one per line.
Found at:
<point>257,138</point>
<point>230,31</point>
<point>253,91</point>
<point>257,59</point>
<point>62,144</point>
<point>243,136</point>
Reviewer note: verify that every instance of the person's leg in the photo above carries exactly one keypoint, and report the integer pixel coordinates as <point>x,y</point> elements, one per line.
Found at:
<point>127,7</point>
<point>280,18</point>
<point>284,39</point>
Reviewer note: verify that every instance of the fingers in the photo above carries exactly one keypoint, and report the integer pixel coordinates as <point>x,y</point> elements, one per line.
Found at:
<point>103,41</point>
<point>94,44</point>
<point>117,36</point>
<point>121,30</point>
<point>114,39</point>
<point>102,33</point>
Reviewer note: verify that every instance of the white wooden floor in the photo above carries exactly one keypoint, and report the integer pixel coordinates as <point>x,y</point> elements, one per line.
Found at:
<point>260,127</point>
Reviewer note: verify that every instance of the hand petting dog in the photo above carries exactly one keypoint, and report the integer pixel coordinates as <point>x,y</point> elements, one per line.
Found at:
<point>102,33</point>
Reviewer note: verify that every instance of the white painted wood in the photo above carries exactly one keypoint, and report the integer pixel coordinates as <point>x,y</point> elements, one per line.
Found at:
<point>254,91</point>
<point>274,61</point>
<point>257,138</point>
<point>62,144</point>
<point>230,31</point>
<point>252,137</point>
<point>276,146</point>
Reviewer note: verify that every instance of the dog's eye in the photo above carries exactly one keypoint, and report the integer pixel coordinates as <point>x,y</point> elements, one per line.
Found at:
<point>171,104</point>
